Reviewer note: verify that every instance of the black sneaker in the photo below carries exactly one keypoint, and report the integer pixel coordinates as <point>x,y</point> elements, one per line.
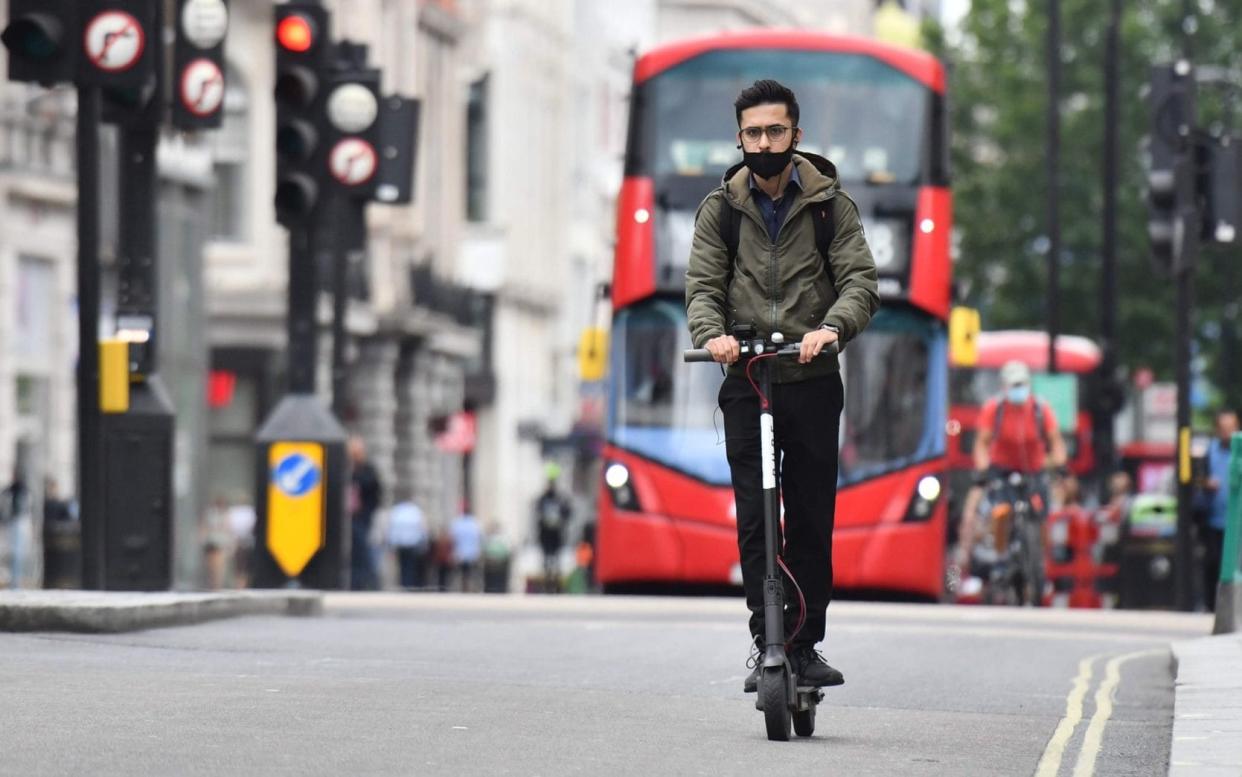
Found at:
<point>754,663</point>
<point>811,668</point>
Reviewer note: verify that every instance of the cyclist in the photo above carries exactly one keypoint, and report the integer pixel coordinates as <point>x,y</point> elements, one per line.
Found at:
<point>1017,432</point>
<point>778,277</point>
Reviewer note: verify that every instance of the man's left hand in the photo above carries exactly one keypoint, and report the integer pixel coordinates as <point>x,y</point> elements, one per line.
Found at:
<point>813,342</point>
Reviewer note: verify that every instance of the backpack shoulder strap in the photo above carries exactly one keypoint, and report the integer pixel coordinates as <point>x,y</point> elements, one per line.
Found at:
<point>1039,422</point>
<point>730,224</point>
<point>998,419</point>
<point>825,232</point>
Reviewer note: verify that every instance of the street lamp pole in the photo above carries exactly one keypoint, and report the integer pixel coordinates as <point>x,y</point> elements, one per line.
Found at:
<point>1054,179</point>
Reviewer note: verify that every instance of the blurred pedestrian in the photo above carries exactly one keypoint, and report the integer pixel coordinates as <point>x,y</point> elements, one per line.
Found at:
<point>407,535</point>
<point>442,558</point>
<point>241,524</point>
<point>16,514</point>
<point>365,495</point>
<point>496,559</point>
<point>467,547</point>
<point>217,537</point>
<point>1120,496</point>
<point>552,514</point>
<point>1215,497</point>
<point>62,540</point>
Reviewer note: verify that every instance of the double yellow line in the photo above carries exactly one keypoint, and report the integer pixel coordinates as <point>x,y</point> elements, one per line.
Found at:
<point>1054,752</point>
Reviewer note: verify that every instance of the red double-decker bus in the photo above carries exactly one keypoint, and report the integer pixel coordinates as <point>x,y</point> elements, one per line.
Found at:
<point>666,512</point>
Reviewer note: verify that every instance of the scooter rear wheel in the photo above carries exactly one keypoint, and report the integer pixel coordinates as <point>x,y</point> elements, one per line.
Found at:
<point>774,693</point>
<point>804,722</point>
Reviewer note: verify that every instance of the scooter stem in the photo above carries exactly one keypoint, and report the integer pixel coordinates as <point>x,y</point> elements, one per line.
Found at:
<point>773,588</point>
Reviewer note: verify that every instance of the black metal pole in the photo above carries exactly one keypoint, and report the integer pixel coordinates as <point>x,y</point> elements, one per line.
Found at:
<point>351,245</point>
<point>1184,586</point>
<point>1106,455</point>
<point>1183,267</point>
<point>1054,179</point>
<point>89,483</point>
<point>302,319</point>
<point>137,269</point>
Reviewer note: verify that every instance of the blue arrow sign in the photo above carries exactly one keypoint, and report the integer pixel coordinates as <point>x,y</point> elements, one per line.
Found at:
<point>296,474</point>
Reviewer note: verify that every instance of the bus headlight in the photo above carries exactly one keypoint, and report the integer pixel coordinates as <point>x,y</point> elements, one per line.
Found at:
<point>617,478</point>
<point>927,494</point>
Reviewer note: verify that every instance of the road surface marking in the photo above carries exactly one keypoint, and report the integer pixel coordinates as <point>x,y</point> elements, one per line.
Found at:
<point>1090,749</point>
<point>1050,763</point>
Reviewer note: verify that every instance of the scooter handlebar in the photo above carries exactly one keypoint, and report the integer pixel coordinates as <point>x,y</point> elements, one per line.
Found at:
<point>696,355</point>
<point>793,349</point>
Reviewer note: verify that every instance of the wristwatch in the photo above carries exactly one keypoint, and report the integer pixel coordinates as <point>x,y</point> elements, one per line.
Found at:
<point>831,328</point>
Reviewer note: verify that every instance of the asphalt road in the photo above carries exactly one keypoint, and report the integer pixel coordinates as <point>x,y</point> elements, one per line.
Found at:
<point>455,685</point>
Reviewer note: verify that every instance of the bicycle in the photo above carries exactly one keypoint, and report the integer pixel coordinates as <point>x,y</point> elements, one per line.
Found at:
<point>1016,574</point>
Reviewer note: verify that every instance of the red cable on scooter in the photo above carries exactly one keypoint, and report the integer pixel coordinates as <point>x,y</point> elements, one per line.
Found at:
<point>801,602</point>
<point>763,401</point>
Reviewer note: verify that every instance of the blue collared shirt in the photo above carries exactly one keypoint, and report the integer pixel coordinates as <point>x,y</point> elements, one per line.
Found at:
<point>775,211</point>
<point>1218,468</point>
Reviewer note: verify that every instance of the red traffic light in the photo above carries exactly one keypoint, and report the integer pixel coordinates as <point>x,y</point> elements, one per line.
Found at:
<point>296,33</point>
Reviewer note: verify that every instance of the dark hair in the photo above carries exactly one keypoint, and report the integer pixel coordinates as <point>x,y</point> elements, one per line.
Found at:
<point>766,91</point>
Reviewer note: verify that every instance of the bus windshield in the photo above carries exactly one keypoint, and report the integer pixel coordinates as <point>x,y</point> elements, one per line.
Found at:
<point>665,410</point>
<point>867,117</point>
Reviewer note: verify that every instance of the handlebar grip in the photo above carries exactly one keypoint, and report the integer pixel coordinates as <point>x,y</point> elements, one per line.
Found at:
<point>696,355</point>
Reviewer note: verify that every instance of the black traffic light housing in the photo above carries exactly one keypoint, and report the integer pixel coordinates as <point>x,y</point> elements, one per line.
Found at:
<point>303,70</point>
<point>352,113</point>
<point>198,64</point>
<point>1172,179</point>
<point>123,54</point>
<point>43,38</point>
<point>1220,181</point>
<point>398,148</point>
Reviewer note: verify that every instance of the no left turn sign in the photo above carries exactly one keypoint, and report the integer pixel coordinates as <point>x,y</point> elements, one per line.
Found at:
<point>114,41</point>
<point>353,161</point>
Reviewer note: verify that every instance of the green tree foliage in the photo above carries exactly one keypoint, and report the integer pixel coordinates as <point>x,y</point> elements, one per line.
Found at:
<point>999,93</point>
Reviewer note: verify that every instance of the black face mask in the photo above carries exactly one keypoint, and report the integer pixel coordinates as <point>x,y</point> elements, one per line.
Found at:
<point>767,164</point>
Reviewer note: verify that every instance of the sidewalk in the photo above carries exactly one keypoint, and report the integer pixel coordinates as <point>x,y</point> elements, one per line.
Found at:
<point>111,612</point>
<point>1207,716</point>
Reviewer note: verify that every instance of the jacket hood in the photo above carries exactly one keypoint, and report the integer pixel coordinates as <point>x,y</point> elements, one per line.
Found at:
<point>817,173</point>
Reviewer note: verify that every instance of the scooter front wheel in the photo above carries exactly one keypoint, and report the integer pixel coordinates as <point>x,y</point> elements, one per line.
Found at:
<point>774,693</point>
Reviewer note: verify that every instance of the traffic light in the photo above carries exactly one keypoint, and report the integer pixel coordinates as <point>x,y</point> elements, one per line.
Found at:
<point>42,39</point>
<point>398,147</point>
<point>1171,178</point>
<point>198,64</point>
<point>303,60</point>
<point>1220,182</point>
<point>353,132</point>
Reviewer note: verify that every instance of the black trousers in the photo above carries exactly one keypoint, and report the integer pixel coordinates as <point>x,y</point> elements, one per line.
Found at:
<point>1213,549</point>
<point>807,417</point>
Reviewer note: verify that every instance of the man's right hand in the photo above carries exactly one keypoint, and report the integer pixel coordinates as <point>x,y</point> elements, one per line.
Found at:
<point>724,349</point>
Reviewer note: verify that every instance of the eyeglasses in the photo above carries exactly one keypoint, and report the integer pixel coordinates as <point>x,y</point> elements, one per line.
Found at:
<point>775,133</point>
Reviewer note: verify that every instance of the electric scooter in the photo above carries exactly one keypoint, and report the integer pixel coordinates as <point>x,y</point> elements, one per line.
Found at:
<point>781,699</point>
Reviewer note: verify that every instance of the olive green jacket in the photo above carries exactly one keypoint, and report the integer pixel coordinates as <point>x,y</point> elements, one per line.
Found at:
<point>782,286</point>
